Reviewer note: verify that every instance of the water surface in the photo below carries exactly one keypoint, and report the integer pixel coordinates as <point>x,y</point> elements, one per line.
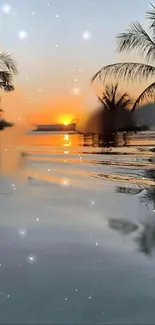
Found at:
<point>77,232</point>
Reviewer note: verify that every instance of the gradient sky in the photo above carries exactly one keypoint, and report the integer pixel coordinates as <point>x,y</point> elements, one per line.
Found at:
<point>67,42</point>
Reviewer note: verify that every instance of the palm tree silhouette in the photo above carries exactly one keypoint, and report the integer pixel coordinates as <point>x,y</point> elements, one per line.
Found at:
<point>113,99</point>
<point>115,113</point>
<point>135,38</point>
<point>113,116</point>
<point>3,123</point>
<point>8,68</point>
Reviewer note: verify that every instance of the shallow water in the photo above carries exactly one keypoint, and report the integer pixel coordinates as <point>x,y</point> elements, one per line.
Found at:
<point>77,232</point>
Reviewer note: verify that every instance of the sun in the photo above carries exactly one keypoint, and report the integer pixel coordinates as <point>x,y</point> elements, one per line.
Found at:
<point>65,119</point>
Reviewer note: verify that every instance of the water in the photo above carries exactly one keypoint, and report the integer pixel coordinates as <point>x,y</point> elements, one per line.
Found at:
<point>77,232</point>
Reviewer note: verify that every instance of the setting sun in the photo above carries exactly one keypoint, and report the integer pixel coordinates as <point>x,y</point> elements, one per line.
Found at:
<point>65,119</point>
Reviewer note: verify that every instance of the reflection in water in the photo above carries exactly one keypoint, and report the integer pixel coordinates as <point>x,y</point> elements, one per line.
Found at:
<point>146,237</point>
<point>128,190</point>
<point>124,226</point>
<point>53,151</point>
<point>113,140</point>
<point>149,196</point>
<point>72,151</point>
<point>88,140</point>
<point>66,137</point>
<point>54,233</point>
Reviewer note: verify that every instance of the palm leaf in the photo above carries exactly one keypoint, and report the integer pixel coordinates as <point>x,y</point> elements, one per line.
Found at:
<point>136,38</point>
<point>127,70</point>
<point>113,100</point>
<point>5,77</point>
<point>110,92</point>
<point>100,100</point>
<point>7,63</point>
<point>97,74</point>
<point>109,96</point>
<point>9,88</point>
<point>151,16</point>
<point>147,94</point>
<point>107,101</point>
<point>6,81</point>
<point>124,101</point>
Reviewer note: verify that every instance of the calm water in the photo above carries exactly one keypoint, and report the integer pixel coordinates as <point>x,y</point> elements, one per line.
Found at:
<point>77,232</point>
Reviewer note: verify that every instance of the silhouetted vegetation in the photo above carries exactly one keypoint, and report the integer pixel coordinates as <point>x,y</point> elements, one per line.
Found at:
<point>112,117</point>
<point>4,124</point>
<point>8,68</point>
<point>135,38</point>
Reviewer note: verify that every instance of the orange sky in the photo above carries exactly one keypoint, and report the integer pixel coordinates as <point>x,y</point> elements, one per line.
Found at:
<point>56,57</point>
<point>57,105</point>
<point>47,110</point>
<point>58,110</point>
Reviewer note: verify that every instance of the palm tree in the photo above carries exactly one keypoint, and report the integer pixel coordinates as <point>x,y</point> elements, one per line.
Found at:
<point>8,68</point>
<point>116,114</point>
<point>112,116</point>
<point>113,100</point>
<point>135,38</point>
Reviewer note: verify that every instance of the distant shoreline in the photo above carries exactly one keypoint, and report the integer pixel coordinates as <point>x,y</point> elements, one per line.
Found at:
<point>55,127</point>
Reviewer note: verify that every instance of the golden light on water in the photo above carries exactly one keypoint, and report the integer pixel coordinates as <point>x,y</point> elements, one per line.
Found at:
<point>66,137</point>
<point>66,140</point>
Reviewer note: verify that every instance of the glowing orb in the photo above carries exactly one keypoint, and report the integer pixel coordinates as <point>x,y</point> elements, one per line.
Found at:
<point>31,259</point>
<point>86,35</point>
<point>6,9</point>
<point>76,91</point>
<point>22,35</point>
<point>22,233</point>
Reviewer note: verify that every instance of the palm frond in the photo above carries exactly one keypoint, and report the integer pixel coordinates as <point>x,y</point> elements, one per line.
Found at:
<point>100,100</point>
<point>151,16</point>
<point>124,101</point>
<point>5,77</point>
<point>110,96</point>
<point>6,81</point>
<point>9,88</point>
<point>111,92</point>
<point>113,100</point>
<point>126,70</point>
<point>7,63</point>
<point>147,94</point>
<point>107,102</point>
<point>136,38</point>
<point>95,76</point>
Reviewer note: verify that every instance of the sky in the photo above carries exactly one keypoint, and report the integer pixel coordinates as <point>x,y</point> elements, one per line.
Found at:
<point>58,46</point>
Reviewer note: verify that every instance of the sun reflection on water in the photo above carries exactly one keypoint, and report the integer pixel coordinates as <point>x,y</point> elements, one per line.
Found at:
<point>67,138</point>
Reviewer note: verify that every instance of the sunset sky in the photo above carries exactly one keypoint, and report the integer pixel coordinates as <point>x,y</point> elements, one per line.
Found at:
<point>59,45</point>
